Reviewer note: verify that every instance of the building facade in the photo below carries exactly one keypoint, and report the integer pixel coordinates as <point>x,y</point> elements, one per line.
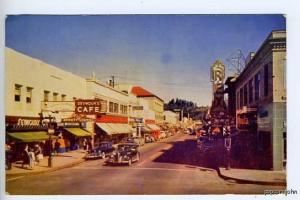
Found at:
<point>260,92</point>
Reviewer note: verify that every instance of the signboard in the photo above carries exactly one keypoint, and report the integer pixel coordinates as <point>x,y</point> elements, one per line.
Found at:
<point>88,107</point>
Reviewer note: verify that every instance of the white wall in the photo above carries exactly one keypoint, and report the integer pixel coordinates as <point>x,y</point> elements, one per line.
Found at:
<point>29,72</point>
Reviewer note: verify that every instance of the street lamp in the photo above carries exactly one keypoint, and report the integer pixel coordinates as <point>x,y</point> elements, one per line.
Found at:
<point>50,133</point>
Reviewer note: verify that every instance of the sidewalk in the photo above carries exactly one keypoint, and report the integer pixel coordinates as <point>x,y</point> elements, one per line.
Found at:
<point>262,177</point>
<point>63,160</point>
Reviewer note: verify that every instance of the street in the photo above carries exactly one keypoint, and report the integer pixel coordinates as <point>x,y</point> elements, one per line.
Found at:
<point>170,166</point>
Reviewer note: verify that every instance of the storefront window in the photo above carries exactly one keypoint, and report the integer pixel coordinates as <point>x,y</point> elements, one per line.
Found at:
<point>18,92</point>
<point>28,94</point>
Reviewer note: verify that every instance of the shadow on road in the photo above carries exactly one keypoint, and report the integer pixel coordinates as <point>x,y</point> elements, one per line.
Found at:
<point>186,152</point>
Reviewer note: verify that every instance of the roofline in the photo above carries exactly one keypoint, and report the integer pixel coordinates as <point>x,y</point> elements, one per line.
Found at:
<point>268,38</point>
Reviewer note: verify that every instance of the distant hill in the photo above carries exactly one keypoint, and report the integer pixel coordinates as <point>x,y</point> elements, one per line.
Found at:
<point>189,108</point>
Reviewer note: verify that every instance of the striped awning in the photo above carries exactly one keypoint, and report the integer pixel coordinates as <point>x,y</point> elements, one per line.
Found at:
<point>153,127</point>
<point>115,128</point>
<point>78,132</point>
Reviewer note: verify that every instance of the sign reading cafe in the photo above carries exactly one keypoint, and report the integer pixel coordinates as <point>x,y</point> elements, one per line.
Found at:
<point>88,107</point>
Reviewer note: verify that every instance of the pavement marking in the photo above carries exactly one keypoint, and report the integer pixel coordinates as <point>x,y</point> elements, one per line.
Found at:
<point>11,179</point>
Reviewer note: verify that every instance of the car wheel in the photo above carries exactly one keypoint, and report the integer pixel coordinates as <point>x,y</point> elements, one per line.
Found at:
<point>103,155</point>
<point>129,162</point>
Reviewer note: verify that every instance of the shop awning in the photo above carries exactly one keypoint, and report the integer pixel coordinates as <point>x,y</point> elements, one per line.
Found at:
<point>115,128</point>
<point>145,129</point>
<point>78,132</point>
<point>34,136</point>
<point>153,127</point>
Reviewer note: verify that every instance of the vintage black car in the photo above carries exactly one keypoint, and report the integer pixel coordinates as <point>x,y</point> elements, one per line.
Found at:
<point>125,153</point>
<point>103,150</point>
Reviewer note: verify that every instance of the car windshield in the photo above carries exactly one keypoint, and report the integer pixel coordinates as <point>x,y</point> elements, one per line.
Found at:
<point>125,147</point>
<point>103,145</point>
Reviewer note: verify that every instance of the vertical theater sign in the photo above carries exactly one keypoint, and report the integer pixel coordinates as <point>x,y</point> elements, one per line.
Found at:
<point>218,108</point>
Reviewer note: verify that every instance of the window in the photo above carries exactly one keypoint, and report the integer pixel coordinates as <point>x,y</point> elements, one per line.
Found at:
<point>284,146</point>
<point>18,92</point>
<point>245,94</point>
<point>238,99</point>
<point>256,86</point>
<point>266,80</point>
<point>116,108</point>
<point>28,94</point>
<point>63,97</point>
<point>46,95</point>
<point>284,73</point>
<point>123,109</point>
<point>111,107</point>
<point>251,91</point>
<point>241,97</point>
<point>55,96</point>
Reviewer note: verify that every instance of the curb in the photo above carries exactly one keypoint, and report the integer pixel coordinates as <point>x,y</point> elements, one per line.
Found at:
<point>245,181</point>
<point>47,170</point>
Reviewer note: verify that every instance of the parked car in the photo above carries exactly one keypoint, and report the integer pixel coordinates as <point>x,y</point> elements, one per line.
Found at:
<point>162,135</point>
<point>148,139</point>
<point>137,140</point>
<point>101,151</point>
<point>125,153</point>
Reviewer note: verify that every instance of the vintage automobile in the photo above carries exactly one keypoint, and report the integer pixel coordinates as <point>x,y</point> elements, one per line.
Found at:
<point>101,151</point>
<point>125,153</point>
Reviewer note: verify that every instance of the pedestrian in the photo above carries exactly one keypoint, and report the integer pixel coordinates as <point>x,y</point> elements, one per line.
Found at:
<point>8,156</point>
<point>84,144</point>
<point>31,158</point>
<point>56,147</point>
<point>25,156</point>
<point>227,145</point>
<point>38,153</point>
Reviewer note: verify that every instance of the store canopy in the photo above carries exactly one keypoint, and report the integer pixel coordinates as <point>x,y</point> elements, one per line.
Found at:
<point>153,127</point>
<point>34,136</point>
<point>78,132</point>
<point>115,128</point>
<point>145,129</point>
<point>106,128</point>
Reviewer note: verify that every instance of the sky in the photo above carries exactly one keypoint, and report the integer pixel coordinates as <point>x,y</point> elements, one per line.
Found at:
<point>169,55</point>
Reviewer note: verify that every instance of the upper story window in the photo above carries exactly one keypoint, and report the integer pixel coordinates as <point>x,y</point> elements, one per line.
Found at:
<point>18,89</point>
<point>46,95</point>
<point>251,90</point>
<point>266,80</point>
<point>123,109</point>
<point>111,107</point>
<point>245,94</point>
<point>55,96</point>
<point>241,97</point>
<point>63,97</point>
<point>257,86</point>
<point>116,108</point>
<point>29,94</point>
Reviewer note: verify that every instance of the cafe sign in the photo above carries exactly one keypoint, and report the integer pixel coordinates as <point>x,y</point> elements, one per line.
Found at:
<point>88,107</point>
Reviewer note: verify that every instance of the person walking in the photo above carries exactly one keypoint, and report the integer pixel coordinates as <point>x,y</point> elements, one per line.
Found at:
<point>84,144</point>
<point>56,147</point>
<point>31,158</point>
<point>38,153</point>
<point>25,155</point>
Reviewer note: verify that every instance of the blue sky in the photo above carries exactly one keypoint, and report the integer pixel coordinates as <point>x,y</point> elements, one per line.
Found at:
<point>170,55</point>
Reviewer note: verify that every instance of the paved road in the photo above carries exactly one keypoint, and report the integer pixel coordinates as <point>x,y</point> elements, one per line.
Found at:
<point>171,166</point>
